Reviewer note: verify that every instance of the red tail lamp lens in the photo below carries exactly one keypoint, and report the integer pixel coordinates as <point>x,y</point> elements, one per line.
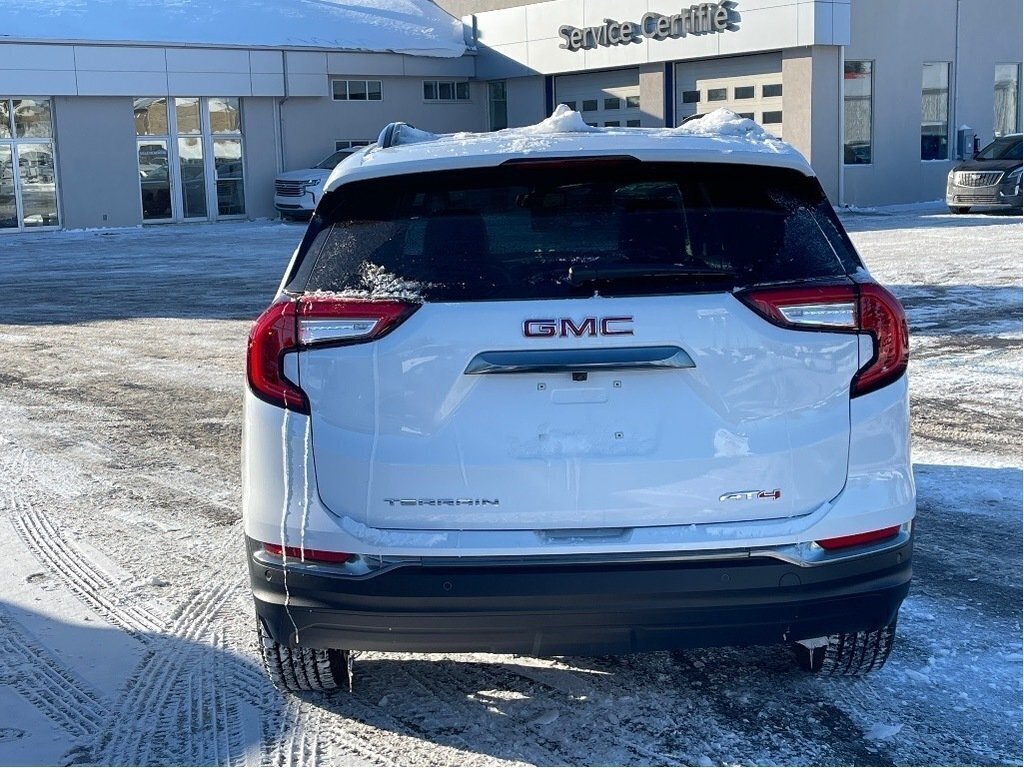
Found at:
<point>855,540</point>
<point>307,322</point>
<point>862,307</point>
<point>307,555</point>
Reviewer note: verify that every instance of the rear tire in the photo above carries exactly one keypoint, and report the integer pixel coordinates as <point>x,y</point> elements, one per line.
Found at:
<point>293,670</point>
<point>850,654</point>
<point>958,209</point>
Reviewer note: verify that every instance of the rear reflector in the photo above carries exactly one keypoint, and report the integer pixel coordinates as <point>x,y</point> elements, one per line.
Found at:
<point>856,539</point>
<point>311,321</point>
<point>307,555</point>
<point>862,307</point>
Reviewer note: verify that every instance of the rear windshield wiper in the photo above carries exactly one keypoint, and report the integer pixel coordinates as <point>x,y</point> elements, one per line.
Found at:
<point>612,272</point>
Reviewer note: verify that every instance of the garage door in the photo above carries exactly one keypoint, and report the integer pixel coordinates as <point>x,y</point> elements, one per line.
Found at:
<point>604,98</point>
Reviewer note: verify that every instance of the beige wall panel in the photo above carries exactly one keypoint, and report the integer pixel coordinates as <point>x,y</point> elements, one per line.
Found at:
<point>98,173</point>
<point>36,57</point>
<point>18,82</point>
<point>207,60</point>
<point>122,83</point>
<point>261,157</point>
<point>311,126</point>
<point>120,58</point>
<point>203,84</point>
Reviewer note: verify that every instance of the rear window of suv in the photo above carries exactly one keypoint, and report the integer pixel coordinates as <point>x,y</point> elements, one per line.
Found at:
<point>542,229</point>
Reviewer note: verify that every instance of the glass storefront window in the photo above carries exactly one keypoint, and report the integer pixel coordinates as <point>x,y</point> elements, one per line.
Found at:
<point>193,178</point>
<point>195,161</point>
<point>155,179</point>
<point>187,115</point>
<point>1006,100</point>
<point>225,116</point>
<point>935,110</point>
<point>32,118</point>
<point>28,176</point>
<point>151,117</point>
<point>38,181</point>
<point>857,112</point>
<point>8,192</point>
<point>227,159</point>
<point>498,105</point>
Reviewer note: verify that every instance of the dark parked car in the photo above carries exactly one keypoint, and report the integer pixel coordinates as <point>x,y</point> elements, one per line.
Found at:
<point>991,179</point>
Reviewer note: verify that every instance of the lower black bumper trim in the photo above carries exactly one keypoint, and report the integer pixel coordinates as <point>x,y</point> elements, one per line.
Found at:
<point>581,609</point>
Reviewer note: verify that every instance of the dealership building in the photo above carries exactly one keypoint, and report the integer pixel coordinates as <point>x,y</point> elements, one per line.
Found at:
<point>118,114</point>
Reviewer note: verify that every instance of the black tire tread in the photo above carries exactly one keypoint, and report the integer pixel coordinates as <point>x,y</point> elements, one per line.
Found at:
<point>297,669</point>
<point>850,654</point>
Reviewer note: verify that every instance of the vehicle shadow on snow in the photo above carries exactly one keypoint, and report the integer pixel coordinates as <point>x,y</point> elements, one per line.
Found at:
<point>693,707</point>
<point>78,693</point>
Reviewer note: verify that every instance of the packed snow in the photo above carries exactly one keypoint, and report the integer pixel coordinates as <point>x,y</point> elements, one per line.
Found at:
<point>416,27</point>
<point>125,619</point>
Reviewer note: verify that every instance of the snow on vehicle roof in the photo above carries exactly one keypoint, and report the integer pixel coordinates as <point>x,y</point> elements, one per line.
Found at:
<point>415,27</point>
<point>721,136</point>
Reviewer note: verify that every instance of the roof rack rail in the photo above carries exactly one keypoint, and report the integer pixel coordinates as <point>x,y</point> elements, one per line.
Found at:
<point>395,134</point>
<point>390,136</point>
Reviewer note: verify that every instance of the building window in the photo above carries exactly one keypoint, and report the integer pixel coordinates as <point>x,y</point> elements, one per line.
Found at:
<point>570,104</point>
<point>357,90</point>
<point>497,104</point>
<point>445,90</point>
<point>857,112</point>
<point>935,110</point>
<point>610,104</point>
<point>590,105</point>
<point>347,144</point>
<point>743,92</point>
<point>28,180</point>
<point>771,118</point>
<point>632,102</point>
<point>1006,100</point>
<point>194,160</point>
<point>717,94</point>
<point>691,97</point>
<point>748,115</point>
<point>632,123</point>
<point>767,91</point>
<point>612,124</point>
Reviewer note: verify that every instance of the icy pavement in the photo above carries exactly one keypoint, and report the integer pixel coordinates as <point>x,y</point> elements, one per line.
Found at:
<point>125,624</point>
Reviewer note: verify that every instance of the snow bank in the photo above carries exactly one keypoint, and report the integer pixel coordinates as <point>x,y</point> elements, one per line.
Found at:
<point>562,120</point>
<point>416,27</point>
<point>723,122</point>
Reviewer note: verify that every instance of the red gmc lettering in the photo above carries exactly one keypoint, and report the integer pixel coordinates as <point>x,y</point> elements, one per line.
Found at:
<point>607,330</point>
<point>586,328</point>
<point>533,328</point>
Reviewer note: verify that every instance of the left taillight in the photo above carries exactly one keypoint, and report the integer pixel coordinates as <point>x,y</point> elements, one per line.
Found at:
<point>311,321</point>
<point>863,307</point>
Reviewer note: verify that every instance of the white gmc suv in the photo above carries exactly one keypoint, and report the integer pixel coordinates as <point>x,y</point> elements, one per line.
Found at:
<point>567,390</point>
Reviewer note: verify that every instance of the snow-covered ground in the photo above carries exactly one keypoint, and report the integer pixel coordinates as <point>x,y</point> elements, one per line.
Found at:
<point>126,630</point>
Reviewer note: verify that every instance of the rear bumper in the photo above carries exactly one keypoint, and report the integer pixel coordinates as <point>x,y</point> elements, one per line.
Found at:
<point>575,608</point>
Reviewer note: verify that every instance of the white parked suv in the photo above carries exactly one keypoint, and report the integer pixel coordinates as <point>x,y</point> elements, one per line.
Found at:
<point>296,193</point>
<point>567,390</point>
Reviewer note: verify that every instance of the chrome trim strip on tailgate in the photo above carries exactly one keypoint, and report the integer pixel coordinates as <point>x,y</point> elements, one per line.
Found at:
<point>554,360</point>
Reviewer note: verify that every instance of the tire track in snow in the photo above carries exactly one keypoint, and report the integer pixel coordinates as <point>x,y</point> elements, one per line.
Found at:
<point>40,678</point>
<point>87,580</point>
<point>165,681</point>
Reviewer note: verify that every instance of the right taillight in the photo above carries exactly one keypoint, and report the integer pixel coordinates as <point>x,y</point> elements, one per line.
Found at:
<point>311,321</point>
<point>863,307</point>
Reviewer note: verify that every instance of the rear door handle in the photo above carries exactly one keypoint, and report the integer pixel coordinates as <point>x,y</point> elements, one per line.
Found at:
<point>603,359</point>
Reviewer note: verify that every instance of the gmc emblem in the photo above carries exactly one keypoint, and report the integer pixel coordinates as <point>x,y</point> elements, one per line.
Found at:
<point>588,326</point>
